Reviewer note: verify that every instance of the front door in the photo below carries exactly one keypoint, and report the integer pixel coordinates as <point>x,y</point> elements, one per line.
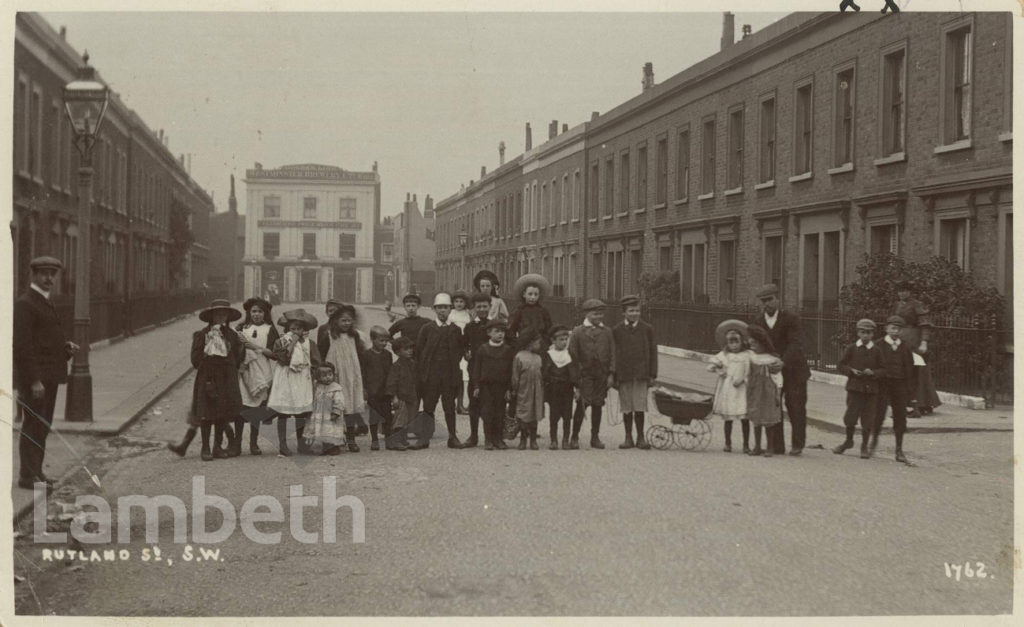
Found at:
<point>307,285</point>
<point>345,284</point>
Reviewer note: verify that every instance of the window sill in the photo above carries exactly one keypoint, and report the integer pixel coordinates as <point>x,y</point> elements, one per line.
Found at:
<point>564,223</point>
<point>607,217</point>
<point>660,205</point>
<point>55,188</point>
<point>643,210</point>
<point>963,144</point>
<point>38,180</point>
<point>842,169</point>
<point>734,191</point>
<point>1006,137</point>
<point>806,176</point>
<point>592,220</point>
<point>575,220</point>
<point>681,201</point>
<point>25,175</point>
<point>896,157</point>
<point>707,196</point>
<point>766,185</point>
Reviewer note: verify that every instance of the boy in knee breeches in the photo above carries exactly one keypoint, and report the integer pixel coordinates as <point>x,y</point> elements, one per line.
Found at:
<point>489,377</point>
<point>862,364</point>
<point>593,348</point>
<point>894,389</point>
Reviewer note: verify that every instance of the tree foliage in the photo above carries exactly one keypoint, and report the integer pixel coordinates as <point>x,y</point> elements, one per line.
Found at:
<point>659,287</point>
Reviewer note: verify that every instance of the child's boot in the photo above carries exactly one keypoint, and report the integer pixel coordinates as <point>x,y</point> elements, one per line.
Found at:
<point>300,442</point>
<point>522,437</point>
<point>565,438</point>
<point>595,428</point>
<point>641,441</point>
<point>627,421</point>
<point>179,449</point>
<point>533,437</point>
<point>254,435</point>
<point>865,450</point>
<point>727,432</point>
<point>219,432</point>
<point>847,443</point>
<point>206,455</point>
<point>900,457</point>
<point>282,438</point>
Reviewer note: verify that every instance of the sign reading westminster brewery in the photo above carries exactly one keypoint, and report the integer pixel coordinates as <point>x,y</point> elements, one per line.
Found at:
<point>310,171</point>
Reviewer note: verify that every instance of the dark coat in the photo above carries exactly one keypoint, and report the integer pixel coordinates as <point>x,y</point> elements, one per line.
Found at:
<point>788,343</point>
<point>376,367</point>
<point>216,396</point>
<point>898,364</point>
<point>529,316</point>
<point>410,328</point>
<point>636,352</point>
<point>475,334</point>
<point>593,348</point>
<point>860,358</point>
<point>918,319</point>
<point>40,347</point>
<point>559,380</point>
<point>492,364</point>
<point>401,383</point>
<point>441,348</point>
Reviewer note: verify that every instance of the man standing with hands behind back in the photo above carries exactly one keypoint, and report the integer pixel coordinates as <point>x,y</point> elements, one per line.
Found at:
<point>784,329</point>
<point>41,353</point>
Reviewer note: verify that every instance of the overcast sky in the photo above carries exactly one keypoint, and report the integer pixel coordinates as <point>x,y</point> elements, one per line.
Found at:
<point>427,96</point>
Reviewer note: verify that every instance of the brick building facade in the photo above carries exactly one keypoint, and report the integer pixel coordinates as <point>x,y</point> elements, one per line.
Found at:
<point>784,157</point>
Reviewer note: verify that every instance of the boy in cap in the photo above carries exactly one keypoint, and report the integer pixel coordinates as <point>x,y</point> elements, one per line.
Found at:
<point>401,387</point>
<point>441,347</point>
<point>894,388</point>
<point>475,334</point>
<point>376,365</point>
<point>636,368</point>
<point>592,346</point>
<point>410,325</point>
<point>862,364</point>
<point>490,377</point>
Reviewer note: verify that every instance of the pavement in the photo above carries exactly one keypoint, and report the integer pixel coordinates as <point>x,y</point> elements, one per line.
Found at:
<point>129,376</point>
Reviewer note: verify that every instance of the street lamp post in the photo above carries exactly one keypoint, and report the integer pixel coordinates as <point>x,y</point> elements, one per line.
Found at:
<point>463,238</point>
<point>85,103</point>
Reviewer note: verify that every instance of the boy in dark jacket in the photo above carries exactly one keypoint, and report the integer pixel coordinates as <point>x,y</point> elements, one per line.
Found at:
<point>636,368</point>
<point>593,348</point>
<point>376,364</point>
<point>895,386</point>
<point>490,374</point>
<point>401,387</point>
<point>410,325</point>
<point>440,349</point>
<point>561,377</point>
<point>475,334</point>
<point>862,364</point>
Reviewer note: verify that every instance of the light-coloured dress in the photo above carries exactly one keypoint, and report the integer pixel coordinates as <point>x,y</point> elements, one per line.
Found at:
<point>460,318</point>
<point>257,371</point>
<point>731,400</point>
<point>498,309</point>
<point>763,407</point>
<point>292,390</point>
<point>528,383</point>
<point>345,357</point>
<point>328,403</point>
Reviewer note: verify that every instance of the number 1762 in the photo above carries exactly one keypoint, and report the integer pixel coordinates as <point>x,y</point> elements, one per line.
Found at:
<point>966,570</point>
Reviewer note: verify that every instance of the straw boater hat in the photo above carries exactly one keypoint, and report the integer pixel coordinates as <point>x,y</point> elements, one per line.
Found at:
<point>533,278</point>
<point>730,325</point>
<point>301,315</point>
<point>206,315</point>
<point>485,274</point>
<point>442,298</point>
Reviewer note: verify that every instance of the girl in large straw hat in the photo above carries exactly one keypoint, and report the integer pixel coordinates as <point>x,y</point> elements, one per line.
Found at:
<point>732,365</point>
<point>291,393</point>
<point>531,289</point>
<point>216,355</point>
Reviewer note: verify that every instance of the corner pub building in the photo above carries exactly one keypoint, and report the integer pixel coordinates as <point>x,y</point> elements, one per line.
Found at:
<point>309,233</point>
<point>784,157</point>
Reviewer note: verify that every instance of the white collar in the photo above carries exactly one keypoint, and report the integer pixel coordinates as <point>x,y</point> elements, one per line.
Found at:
<point>771,318</point>
<point>588,323</point>
<point>442,324</point>
<point>632,324</point>
<point>892,342</point>
<point>870,344</point>
<point>491,342</point>
<point>45,294</point>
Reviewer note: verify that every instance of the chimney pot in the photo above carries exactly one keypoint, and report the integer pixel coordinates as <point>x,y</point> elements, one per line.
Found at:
<point>746,31</point>
<point>728,30</point>
<point>594,115</point>
<point>648,78</point>
<point>483,171</point>
<point>565,127</point>
<point>529,137</point>
<point>63,32</point>
<point>501,152</point>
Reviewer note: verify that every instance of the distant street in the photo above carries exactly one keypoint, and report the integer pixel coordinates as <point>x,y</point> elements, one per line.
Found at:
<point>565,532</point>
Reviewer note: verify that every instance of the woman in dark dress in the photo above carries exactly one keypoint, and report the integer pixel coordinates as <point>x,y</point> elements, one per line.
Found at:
<point>924,398</point>
<point>217,352</point>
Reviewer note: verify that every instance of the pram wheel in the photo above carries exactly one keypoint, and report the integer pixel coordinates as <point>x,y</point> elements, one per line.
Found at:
<point>694,436</point>
<point>702,431</point>
<point>659,437</point>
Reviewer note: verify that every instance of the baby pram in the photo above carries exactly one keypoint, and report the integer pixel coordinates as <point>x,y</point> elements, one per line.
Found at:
<point>688,411</point>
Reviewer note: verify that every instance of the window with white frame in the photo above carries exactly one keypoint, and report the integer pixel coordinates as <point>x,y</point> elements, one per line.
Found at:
<point>735,165</point>
<point>773,258</point>
<point>346,208</point>
<point>577,193</point>
<point>609,186</point>
<point>309,208</point>
<point>893,99</point>
<point>766,145</point>
<point>661,163</point>
<point>884,237</point>
<point>309,245</point>
<point>692,264</point>
<point>271,244</point>
<point>565,200</point>
<point>624,187</point>
<point>271,206</point>
<point>803,128</point>
<point>954,236</point>
<point>842,126</point>
<point>35,143</point>
<point>346,245</point>
<point>554,208</point>
<point>821,262</point>
<point>683,164</point>
<point>595,188</point>
<point>956,75</point>
<point>708,158</point>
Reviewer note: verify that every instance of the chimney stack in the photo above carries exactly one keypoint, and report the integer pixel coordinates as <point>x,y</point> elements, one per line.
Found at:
<point>746,31</point>
<point>483,171</point>
<point>594,115</point>
<point>161,136</point>
<point>529,137</point>
<point>648,79</point>
<point>501,153</point>
<point>428,205</point>
<point>565,127</point>
<point>728,30</point>
<point>63,32</point>
<point>553,129</point>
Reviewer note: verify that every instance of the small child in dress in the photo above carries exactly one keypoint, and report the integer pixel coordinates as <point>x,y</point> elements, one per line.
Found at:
<point>764,410</point>
<point>328,407</point>
<point>375,363</point>
<point>401,387</point>
<point>530,313</point>
<point>561,378</point>
<point>733,367</point>
<point>862,363</point>
<point>528,386</point>
<point>291,393</point>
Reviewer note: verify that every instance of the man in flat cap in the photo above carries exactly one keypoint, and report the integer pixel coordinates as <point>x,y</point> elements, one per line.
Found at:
<point>41,354</point>
<point>784,329</point>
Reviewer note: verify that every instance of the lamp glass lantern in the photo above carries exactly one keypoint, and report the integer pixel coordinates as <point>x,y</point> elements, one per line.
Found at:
<point>85,103</point>
<point>463,238</point>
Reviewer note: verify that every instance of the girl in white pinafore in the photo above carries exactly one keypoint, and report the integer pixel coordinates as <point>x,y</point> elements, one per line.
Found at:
<point>732,364</point>
<point>291,393</point>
